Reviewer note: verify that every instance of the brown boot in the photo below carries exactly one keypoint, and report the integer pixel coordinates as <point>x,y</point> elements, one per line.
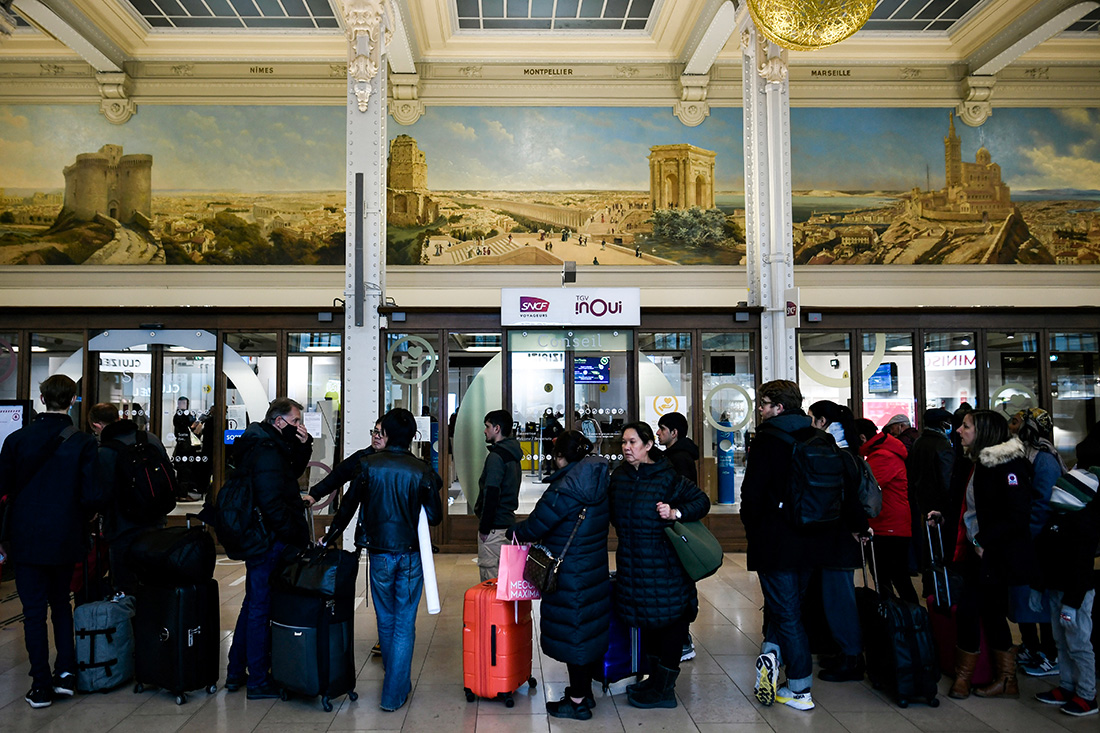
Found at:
<point>1004,676</point>
<point>964,670</point>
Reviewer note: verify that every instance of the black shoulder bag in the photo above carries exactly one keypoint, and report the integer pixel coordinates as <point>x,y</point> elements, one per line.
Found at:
<point>541,569</point>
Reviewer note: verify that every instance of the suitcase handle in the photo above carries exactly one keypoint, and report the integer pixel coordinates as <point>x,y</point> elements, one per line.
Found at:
<point>942,564</point>
<point>874,565</point>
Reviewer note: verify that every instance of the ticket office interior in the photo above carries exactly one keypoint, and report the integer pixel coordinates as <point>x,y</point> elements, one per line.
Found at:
<point>451,368</point>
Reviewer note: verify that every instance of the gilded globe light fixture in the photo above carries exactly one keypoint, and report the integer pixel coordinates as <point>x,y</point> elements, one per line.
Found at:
<point>807,25</point>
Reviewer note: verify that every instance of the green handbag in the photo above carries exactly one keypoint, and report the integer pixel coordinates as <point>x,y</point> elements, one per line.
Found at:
<point>699,552</point>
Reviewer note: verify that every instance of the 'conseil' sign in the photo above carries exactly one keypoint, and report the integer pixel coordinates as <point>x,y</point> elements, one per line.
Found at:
<point>570,306</point>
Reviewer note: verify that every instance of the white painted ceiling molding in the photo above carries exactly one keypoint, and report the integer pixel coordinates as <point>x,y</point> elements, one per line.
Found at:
<point>70,27</point>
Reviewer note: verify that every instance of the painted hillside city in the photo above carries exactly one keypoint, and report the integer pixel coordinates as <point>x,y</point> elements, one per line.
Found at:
<point>472,186</point>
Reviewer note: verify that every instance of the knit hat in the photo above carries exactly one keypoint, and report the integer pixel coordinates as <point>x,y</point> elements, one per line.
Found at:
<point>1039,420</point>
<point>899,419</point>
<point>1074,490</point>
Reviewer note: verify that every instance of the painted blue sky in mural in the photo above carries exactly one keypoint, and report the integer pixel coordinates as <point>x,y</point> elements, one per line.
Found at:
<point>290,148</point>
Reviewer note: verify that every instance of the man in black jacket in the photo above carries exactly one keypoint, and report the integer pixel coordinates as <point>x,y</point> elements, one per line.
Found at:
<point>682,453</point>
<point>49,468</point>
<point>392,487</point>
<point>498,498</point>
<point>118,529</point>
<point>929,467</point>
<point>274,453</point>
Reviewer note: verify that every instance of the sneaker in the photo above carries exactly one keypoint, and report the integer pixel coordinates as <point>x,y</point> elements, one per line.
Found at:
<point>263,692</point>
<point>796,700</point>
<point>1044,667</point>
<point>1057,696</point>
<point>39,697</point>
<point>376,650</point>
<point>1080,707</point>
<point>64,684</point>
<point>566,708</point>
<point>688,652</point>
<point>767,677</point>
<point>1025,656</point>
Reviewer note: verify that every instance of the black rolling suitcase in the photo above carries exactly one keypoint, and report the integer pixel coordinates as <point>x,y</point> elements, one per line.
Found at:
<point>176,634</point>
<point>312,624</point>
<point>898,643</point>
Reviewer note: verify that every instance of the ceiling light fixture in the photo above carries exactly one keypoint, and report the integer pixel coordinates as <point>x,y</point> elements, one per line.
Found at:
<point>807,25</point>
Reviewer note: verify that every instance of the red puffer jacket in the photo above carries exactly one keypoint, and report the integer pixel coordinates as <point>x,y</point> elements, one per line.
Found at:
<point>887,454</point>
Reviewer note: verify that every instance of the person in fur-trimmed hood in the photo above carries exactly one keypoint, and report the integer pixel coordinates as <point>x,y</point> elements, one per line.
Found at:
<point>993,551</point>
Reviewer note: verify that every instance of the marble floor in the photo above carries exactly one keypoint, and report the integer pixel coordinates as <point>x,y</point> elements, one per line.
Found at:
<point>715,689</point>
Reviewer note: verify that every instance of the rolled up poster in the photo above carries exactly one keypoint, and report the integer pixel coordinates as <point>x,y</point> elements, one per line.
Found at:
<point>427,560</point>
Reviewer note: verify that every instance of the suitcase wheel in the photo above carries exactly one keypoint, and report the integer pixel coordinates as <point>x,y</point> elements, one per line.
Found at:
<point>353,695</point>
<point>212,689</point>
<point>181,699</point>
<point>509,702</point>
<point>138,688</point>
<point>326,705</point>
<point>934,702</point>
<point>532,683</point>
<point>284,695</point>
<point>470,697</point>
<point>902,702</point>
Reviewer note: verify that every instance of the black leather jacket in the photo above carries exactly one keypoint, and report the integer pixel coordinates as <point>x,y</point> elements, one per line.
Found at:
<point>388,493</point>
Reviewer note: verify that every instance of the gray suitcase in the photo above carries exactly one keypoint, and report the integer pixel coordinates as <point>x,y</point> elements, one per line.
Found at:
<point>104,644</point>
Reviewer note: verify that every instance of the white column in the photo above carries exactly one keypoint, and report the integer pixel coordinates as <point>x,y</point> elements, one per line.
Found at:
<point>768,222</point>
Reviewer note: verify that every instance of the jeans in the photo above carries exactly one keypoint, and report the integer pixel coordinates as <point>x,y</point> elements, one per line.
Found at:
<point>251,645</point>
<point>41,587</point>
<point>1076,657</point>
<point>784,634</point>
<point>396,581</point>
<point>838,593</point>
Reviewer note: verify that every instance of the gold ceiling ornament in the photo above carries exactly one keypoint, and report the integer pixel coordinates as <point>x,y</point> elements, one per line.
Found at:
<point>807,25</point>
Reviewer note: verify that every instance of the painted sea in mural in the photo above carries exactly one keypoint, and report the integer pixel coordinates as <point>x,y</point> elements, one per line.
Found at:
<point>519,185</point>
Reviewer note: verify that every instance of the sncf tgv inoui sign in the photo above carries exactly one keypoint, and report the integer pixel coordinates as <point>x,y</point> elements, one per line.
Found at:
<point>570,306</point>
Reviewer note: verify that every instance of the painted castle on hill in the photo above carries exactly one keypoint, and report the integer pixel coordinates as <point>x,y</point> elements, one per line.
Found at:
<point>110,183</point>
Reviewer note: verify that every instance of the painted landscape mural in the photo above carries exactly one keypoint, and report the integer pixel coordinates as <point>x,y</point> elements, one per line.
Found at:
<point>492,185</point>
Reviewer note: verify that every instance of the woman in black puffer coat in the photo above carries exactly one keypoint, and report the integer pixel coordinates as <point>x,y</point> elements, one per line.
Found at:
<point>652,591</point>
<point>575,617</point>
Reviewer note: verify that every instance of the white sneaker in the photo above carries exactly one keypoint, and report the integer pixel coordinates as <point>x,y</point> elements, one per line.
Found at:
<point>767,678</point>
<point>796,700</point>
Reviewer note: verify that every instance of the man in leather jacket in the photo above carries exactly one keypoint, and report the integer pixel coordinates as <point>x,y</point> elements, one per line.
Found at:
<point>388,494</point>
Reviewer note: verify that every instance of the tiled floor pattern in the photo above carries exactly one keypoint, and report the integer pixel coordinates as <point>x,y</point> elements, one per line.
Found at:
<point>715,689</point>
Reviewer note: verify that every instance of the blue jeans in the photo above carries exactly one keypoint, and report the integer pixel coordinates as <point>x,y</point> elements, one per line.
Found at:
<point>838,593</point>
<point>784,634</point>
<point>252,634</point>
<point>396,581</point>
<point>43,587</point>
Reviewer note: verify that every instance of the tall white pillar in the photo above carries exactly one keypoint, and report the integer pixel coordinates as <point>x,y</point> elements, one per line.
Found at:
<point>768,223</point>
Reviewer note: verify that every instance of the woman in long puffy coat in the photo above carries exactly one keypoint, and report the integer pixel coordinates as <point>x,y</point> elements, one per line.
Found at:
<point>652,591</point>
<point>575,617</point>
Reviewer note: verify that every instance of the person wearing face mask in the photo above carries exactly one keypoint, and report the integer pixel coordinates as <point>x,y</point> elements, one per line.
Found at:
<point>275,453</point>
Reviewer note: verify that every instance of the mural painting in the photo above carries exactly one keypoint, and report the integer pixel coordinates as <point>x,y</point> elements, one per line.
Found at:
<point>493,185</point>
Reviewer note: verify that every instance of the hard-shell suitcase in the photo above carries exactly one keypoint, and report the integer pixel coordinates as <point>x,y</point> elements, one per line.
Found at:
<point>496,644</point>
<point>176,632</point>
<point>624,657</point>
<point>942,609</point>
<point>897,643</point>
<point>104,644</point>
<point>311,646</point>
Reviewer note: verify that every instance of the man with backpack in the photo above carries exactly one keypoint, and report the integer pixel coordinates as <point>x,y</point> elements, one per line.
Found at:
<point>138,484</point>
<point>270,457</point>
<point>47,469</point>
<point>794,506</point>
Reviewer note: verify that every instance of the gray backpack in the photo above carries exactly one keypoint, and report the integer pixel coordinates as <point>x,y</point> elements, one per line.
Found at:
<point>104,644</point>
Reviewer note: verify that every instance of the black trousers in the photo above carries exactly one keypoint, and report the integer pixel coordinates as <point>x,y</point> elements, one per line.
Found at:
<point>667,642</point>
<point>42,588</point>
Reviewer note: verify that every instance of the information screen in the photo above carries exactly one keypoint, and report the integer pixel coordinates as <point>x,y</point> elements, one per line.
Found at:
<point>591,370</point>
<point>884,380</point>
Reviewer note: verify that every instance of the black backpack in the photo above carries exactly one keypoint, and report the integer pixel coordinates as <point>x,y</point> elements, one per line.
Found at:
<point>235,517</point>
<point>145,482</point>
<point>818,477</point>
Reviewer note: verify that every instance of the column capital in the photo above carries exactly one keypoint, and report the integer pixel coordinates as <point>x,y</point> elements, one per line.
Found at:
<point>367,25</point>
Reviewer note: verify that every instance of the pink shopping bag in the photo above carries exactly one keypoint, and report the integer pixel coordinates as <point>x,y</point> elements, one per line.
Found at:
<point>510,583</point>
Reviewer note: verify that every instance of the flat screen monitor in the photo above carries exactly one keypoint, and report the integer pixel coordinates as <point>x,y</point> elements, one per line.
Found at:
<point>884,380</point>
<point>14,414</point>
<point>591,370</point>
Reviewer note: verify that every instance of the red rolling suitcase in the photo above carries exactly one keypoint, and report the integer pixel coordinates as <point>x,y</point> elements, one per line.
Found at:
<point>496,644</point>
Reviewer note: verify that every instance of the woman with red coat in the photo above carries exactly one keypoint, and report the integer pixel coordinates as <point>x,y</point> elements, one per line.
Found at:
<point>893,527</point>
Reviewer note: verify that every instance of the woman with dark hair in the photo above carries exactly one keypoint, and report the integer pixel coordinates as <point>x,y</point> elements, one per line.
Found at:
<point>993,550</point>
<point>838,421</point>
<point>652,591</point>
<point>575,617</point>
<point>1035,429</point>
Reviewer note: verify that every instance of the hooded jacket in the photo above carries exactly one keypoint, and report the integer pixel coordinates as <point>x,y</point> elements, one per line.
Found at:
<point>125,432</point>
<point>574,618</point>
<point>498,495</point>
<point>1002,500</point>
<point>275,465</point>
<point>886,456</point>
<point>682,455</point>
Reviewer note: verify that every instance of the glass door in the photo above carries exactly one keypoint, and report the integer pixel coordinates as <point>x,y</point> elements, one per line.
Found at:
<point>125,379</point>
<point>187,397</point>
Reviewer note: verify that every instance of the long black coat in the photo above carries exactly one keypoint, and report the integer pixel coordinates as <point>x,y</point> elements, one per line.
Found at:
<point>652,590</point>
<point>575,617</point>
<point>1002,499</point>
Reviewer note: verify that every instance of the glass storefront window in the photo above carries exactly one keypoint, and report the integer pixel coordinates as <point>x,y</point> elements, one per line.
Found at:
<point>888,385</point>
<point>258,353</point>
<point>125,381</point>
<point>824,367</point>
<point>1074,389</point>
<point>473,389</point>
<point>412,382</point>
<point>1012,363</point>
<point>950,369</point>
<point>186,407</point>
<point>9,365</point>
<point>313,380</point>
<point>49,352</point>
<point>728,377</point>
<point>664,375</point>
